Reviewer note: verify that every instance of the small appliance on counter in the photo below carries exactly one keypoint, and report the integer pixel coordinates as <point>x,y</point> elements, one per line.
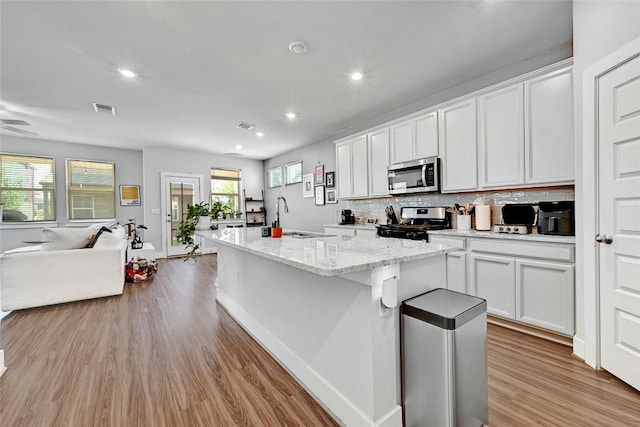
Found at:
<point>347,217</point>
<point>556,218</point>
<point>517,218</point>
<point>391,215</point>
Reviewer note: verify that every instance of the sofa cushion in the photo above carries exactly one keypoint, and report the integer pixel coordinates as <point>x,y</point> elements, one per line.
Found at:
<point>23,249</point>
<point>57,239</point>
<point>110,240</point>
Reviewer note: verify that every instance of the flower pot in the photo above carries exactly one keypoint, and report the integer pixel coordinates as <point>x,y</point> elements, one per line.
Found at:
<point>204,223</point>
<point>276,231</point>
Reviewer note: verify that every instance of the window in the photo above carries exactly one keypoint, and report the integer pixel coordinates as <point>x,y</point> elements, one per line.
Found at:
<point>91,189</point>
<point>293,173</point>
<point>27,189</point>
<point>274,177</point>
<point>225,188</point>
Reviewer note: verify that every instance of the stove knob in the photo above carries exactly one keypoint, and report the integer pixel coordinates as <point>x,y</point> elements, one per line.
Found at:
<point>501,229</point>
<point>508,229</point>
<point>411,235</point>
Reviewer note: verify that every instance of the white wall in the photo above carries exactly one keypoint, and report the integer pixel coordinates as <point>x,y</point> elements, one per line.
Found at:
<point>162,159</point>
<point>128,172</point>
<point>600,27</point>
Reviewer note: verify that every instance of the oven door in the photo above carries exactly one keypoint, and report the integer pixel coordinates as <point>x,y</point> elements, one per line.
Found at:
<point>418,176</point>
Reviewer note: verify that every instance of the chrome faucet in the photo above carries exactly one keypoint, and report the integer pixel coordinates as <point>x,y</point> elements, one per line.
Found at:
<point>286,209</point>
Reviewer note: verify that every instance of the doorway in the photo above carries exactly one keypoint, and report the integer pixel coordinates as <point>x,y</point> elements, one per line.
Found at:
<point>179,191</point>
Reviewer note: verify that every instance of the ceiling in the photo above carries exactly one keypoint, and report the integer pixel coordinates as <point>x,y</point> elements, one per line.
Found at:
<point>204,66</point>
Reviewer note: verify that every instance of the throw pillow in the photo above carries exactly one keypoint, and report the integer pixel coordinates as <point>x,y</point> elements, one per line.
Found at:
<point>57,239</point>
<point>95,237</point>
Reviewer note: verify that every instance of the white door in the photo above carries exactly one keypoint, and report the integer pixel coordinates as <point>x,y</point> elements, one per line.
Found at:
<point>179,192</point>
<point>619,220</point>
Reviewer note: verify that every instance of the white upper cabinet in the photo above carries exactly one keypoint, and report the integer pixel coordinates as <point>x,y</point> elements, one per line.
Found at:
<point>549,128</point>
<point>501,137</point>
<point>378,162</point>
<point>361,165</point>
<point>457,146</point>
<point>414,139</point>
<point>426,135</point>
<point>401,149</point>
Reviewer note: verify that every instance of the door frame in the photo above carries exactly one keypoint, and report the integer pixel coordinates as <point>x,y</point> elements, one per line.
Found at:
<point>163,200</point>
<point>588,346</point>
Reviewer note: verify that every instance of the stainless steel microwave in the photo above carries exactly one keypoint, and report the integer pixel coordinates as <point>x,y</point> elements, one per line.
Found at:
<point>416,176</point>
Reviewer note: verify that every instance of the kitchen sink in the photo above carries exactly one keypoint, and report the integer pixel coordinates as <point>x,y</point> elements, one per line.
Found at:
<point>304,234</point>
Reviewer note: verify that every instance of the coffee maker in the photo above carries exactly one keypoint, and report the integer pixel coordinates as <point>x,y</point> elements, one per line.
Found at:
<point>347,217</point>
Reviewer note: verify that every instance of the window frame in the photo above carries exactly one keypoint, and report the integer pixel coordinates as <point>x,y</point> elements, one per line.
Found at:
<point>286,174</point>
<point>19,224</point>
<point>69,199</point>
<point>237,195</point>
<point>269,171</point>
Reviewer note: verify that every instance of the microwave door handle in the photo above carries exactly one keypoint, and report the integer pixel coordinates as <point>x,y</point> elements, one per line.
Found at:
<point>424,175</point>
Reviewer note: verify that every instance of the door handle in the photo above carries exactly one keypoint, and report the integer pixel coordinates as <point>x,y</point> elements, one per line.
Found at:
<point>606,239</point>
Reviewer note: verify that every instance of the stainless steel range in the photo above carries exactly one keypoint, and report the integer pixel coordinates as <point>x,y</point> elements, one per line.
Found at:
<point>415,223</point>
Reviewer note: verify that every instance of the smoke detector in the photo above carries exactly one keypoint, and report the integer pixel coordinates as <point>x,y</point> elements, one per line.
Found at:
<point>245,125</point>
<point>102,108</point>
<point>298,47</point>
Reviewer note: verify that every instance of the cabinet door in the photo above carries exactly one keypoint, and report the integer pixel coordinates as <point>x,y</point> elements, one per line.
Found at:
<point>378,163</point>
<point>343,169</point>
<point>549,128</point>
<point>457,271</point>
<point>426,135</point>
<point>501,137</point>
<point>401,142</point>
<point>493,278</point>
<point>544,295</point>
<point>359,167</point>
<point>457,139</point>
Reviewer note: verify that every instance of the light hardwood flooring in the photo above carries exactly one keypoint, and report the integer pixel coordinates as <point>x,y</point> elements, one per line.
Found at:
<point>164,354</point>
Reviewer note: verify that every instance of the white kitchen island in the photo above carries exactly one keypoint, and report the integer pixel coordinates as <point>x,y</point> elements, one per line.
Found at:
<point>314,304</point>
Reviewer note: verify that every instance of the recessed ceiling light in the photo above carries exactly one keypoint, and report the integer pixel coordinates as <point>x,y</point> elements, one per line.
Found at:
<point>291,115</point>
<point>260,134</point>
<point>298,47</point>
<point>127,73</point>
<point>356,75</point>
<point>238,147</point>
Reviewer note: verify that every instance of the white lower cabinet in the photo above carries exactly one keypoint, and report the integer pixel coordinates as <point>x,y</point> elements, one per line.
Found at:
<point>492,278</point>
<point>529,282</point>
<point>544,295</point>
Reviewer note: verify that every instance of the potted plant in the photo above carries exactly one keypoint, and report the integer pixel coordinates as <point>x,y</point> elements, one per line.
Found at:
<point>189,225</point>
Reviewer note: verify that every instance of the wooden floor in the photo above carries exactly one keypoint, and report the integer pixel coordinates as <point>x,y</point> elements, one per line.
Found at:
<point>164,354</point>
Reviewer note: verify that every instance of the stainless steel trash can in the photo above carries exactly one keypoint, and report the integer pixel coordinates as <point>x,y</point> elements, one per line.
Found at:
<point>444,371</point>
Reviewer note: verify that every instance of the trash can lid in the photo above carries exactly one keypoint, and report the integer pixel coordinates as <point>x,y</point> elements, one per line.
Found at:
<point>444,308</point>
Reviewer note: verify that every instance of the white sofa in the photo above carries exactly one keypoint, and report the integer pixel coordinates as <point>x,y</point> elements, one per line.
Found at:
<point>51,274</point>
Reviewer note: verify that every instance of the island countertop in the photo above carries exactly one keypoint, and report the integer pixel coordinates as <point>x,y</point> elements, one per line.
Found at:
<point>326,255</point>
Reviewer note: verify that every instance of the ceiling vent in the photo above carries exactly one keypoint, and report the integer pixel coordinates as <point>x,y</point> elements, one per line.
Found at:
<point>246,126</point>
<point>102,108</point>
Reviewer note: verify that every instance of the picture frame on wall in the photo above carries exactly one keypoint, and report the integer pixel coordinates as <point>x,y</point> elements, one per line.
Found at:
<point>320,175</point>
<point>319,195</point>
<point>307,185</point>
<point>130,195</point>
<point>330,179</point>
<point>331,196</point>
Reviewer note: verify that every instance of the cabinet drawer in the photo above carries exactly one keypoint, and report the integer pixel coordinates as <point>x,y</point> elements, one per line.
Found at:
<point>450,241</point>
<point>557,252</point>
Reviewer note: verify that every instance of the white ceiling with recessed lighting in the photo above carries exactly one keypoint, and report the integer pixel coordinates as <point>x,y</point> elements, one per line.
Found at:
<point>204,66</point>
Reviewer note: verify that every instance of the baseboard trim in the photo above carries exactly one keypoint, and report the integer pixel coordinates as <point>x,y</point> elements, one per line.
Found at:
<point>531,330</point>
<point>327,396</point>
<point>579,347</point>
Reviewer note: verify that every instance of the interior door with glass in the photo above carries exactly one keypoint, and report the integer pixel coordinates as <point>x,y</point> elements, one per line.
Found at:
<point>180,192</point>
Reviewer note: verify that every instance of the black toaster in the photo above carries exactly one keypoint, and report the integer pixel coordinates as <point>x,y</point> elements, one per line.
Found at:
<point>556,218</point>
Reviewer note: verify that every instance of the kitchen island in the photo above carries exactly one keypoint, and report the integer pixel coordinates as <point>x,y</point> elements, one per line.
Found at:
<point>314,302</point>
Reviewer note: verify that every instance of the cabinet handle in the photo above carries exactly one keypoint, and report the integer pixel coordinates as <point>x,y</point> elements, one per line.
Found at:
<point>606,239</point>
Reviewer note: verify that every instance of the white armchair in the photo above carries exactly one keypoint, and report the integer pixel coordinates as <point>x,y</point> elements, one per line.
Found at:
<point>34,276</point>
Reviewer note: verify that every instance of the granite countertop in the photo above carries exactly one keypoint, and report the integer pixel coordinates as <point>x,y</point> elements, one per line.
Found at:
<point>353,226</point>
<point>326,256</point>
<point>505,236</point>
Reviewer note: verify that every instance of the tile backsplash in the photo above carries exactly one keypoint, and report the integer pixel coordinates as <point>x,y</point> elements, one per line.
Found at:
<point>375,208</point>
